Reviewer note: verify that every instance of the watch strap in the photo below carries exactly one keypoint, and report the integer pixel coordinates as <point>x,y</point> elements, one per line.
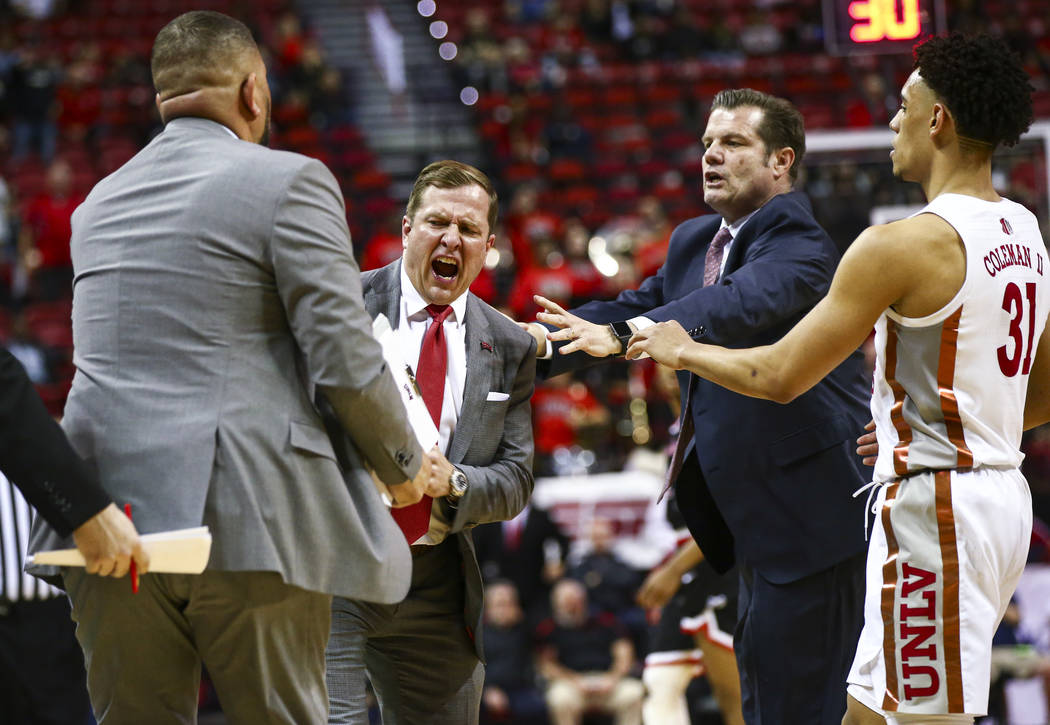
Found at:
<point>622,332</point>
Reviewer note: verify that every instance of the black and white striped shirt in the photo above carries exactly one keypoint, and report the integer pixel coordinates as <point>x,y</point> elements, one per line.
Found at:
<point>15,517</point>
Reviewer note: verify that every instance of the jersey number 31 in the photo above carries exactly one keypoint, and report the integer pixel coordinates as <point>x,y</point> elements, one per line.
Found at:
<point>1013,304</point>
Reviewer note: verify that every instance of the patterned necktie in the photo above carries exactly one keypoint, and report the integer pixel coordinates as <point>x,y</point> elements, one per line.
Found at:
<point>713,258</point>
<point>712,269</point>
<point>414,520</point>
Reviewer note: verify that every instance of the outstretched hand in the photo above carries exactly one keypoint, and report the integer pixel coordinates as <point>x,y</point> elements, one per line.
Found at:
<point>593,339</point>
<point>663,342</point>
<point>109,542</point>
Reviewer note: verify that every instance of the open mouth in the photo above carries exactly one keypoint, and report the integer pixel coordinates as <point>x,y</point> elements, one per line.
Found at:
<point>445,267</point>
<point>712,177</point>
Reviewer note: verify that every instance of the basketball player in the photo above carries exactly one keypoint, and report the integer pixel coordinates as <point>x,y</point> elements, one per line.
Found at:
<point>695,633</point>
<point>959,297</point>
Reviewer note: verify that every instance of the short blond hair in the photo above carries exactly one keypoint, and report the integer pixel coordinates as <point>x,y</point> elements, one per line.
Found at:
<point>448,174</point>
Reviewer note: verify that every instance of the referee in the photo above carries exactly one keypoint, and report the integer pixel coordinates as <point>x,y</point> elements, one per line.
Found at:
<point>41,668</point>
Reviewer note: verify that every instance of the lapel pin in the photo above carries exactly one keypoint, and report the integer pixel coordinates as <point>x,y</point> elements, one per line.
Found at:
<point>486,346</point>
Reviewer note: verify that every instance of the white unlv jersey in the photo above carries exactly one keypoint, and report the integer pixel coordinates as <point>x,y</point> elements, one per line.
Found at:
<point>949,388</point>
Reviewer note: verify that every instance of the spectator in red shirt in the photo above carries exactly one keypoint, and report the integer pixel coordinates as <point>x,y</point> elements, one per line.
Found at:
<point>80,102</point>
<point>45,245</point>
<point>563,410</point>
<point>527,223</point>
<point>548,276</point>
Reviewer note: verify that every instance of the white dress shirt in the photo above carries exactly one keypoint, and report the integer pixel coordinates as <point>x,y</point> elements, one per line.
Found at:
<point>412,325</point>
<point>410,330</point>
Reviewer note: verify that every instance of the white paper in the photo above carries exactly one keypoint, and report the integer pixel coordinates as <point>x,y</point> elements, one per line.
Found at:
<point>405,379</point>
<point>181,551</point>
<point>418,414</point>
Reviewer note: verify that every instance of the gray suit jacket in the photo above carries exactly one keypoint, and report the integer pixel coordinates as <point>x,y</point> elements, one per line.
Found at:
<point>214,289</point>
<point>492,443</point>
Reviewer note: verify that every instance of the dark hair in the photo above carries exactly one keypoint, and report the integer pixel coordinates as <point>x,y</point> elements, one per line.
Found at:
<point>198,49</point>
<point>982,82</point>
<point>450,174</point>
<point>782,125</point>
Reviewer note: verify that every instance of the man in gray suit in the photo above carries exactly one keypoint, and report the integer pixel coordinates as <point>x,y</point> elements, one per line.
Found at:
<point>214,292</point>
<point>423,655</point>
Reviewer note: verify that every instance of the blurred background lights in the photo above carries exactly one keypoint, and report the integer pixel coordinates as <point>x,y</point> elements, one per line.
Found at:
<point>469,96</point>
<point>438,29</point>
<point>426,8</point>
<point>447,50</point>
<point>492,258</point>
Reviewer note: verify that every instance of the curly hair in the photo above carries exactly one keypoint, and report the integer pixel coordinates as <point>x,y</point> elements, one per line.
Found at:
<point>983,83</point>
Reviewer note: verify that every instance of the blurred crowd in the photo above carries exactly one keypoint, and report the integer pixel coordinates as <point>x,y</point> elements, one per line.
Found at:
<point>588,113</point>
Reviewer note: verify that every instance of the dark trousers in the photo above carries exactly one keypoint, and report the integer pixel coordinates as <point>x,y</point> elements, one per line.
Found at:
<point>795,643</point>
<point>42,676</point>
<point>417,653</point>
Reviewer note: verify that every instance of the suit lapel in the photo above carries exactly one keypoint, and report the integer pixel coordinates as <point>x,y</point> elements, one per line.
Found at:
<point>384,295</point>
<point>736,249</point>
<point>482,361</point>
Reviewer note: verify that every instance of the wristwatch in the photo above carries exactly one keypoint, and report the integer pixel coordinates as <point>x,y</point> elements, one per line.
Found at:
<point>457,481</point>
<point>622,332</point>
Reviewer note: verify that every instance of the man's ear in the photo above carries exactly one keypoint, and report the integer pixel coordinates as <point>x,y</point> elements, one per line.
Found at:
<point>406,227</point>
<point>782,160</point>
<point>248,96</point>
<point>939,118</point>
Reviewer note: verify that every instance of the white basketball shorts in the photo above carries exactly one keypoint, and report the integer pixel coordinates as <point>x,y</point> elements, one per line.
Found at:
<point>946,552</point>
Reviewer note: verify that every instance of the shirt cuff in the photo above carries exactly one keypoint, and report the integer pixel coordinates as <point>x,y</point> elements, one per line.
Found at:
<point>640,323</point>
<point>548,352</point>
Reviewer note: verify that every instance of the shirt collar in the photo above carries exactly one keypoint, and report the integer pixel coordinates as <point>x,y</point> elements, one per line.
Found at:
<point>736,226</point>
<point>415,304</point>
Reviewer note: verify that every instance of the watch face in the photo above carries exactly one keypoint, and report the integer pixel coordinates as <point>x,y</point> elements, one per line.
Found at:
<point>458,483</point>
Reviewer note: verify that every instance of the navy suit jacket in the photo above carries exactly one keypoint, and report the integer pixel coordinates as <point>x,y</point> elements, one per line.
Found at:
<point>767,484</point>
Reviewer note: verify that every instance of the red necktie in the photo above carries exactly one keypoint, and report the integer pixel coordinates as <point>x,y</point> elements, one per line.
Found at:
<point>414,520</point>
<point>712,269</point>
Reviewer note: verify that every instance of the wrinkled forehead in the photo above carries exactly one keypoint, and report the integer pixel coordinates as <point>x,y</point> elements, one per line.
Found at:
<point>470,200</point>
<point>742,120</point>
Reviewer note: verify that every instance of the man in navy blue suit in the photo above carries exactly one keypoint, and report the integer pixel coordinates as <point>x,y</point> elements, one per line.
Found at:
<point>763,485</point>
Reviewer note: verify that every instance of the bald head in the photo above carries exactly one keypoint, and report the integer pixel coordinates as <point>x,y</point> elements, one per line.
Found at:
<point>200,50</point>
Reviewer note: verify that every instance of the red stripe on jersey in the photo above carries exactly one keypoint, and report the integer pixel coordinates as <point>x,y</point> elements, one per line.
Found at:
<point>945,386</point>
<point>891,698</point>
<point>950,607</point>
<point>900,451</point>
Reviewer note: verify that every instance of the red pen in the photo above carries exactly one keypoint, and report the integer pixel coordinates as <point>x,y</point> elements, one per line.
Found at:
<point>134,570</point>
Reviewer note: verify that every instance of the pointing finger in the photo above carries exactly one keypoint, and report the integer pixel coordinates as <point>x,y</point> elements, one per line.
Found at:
<point>548,305</point>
